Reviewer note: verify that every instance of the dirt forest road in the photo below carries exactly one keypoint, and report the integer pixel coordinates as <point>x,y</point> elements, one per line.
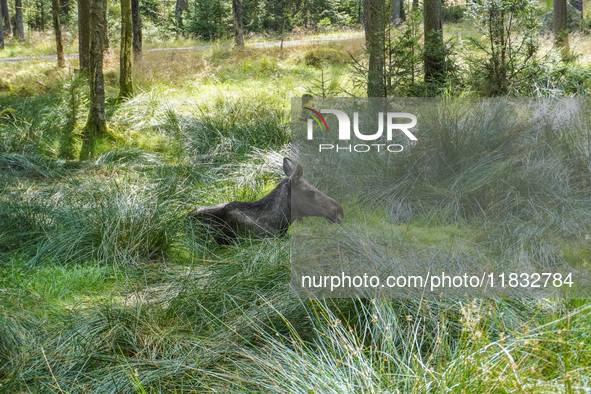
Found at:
<point>195,48</point>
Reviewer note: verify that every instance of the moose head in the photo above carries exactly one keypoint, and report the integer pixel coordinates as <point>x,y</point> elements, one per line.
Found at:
<point>306,200</point>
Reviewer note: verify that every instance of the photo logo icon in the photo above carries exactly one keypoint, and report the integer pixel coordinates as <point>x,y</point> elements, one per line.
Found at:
<point>391,120</point>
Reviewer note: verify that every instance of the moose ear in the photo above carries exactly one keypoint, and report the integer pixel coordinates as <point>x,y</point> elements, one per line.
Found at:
<point>289,167</point>
<point>298,173</point>
<point>292,169</point>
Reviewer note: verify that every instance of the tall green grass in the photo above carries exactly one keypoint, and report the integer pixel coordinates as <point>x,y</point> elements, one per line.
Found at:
<point>105,288</point>
<point>48,124</point>
<point>414,346</point>
<point>117,222</point>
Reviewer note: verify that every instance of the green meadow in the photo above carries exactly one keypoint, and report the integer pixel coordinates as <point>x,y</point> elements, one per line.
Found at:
<point>105,287</point>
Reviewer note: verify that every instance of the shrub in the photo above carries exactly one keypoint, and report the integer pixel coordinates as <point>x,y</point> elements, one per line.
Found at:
<point>320,56</point>
<point>208,19</point>
<point>454,13</point>
<point>510,43</point>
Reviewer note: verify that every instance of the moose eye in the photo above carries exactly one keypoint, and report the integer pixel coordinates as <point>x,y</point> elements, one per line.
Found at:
<point>310,194</point>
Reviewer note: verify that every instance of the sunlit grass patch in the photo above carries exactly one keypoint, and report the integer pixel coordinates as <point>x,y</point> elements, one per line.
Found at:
<point>169,67</point>
<point>33,77</point>
<point>57,285</point>
<point>299,33</point>
<point>220,126</point>
<point>38,44</point>
<point>226,64</point>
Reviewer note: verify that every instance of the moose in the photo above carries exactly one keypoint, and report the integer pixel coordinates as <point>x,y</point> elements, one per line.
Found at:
<point>293,199</point>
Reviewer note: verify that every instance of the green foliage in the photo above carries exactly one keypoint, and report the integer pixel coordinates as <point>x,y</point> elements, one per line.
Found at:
<point>32,166</point>
<point>53,284</point>
<point>152,10</point>
<point>210,19</point>
<point>404,57</point>
<point>453,14</point>
<point>48,124</point>
<point>338,13</point>
<point>23,131</point>
<point>325,86</point>
<point>75,101</point>
<point>442,345</point>
<point>510,43</point>
<point>554,78</point>
<point>38,15</point>
<point>321,56</point>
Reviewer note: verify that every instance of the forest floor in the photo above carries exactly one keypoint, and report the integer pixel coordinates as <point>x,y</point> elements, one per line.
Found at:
<point>198,47</point>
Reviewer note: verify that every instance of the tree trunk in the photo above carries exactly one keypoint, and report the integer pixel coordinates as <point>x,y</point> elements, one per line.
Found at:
<point>238,23</point>
<point>578,5</point>
<point>374,21</point>
<point>560,26</point>
<point>137,29</point>
<point>83,33</point>
<point>43,19</point>
<point>18,20</point>
<point>178,13</point>
<point>6,18</point>
<point>434,55</point>
<point>395,12</point>
<point>1,36</point>
<point>106,40</point>
<point>498,52</point>
<point>125,84</point>
<point>96,124</point>
<point>57,28</point>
